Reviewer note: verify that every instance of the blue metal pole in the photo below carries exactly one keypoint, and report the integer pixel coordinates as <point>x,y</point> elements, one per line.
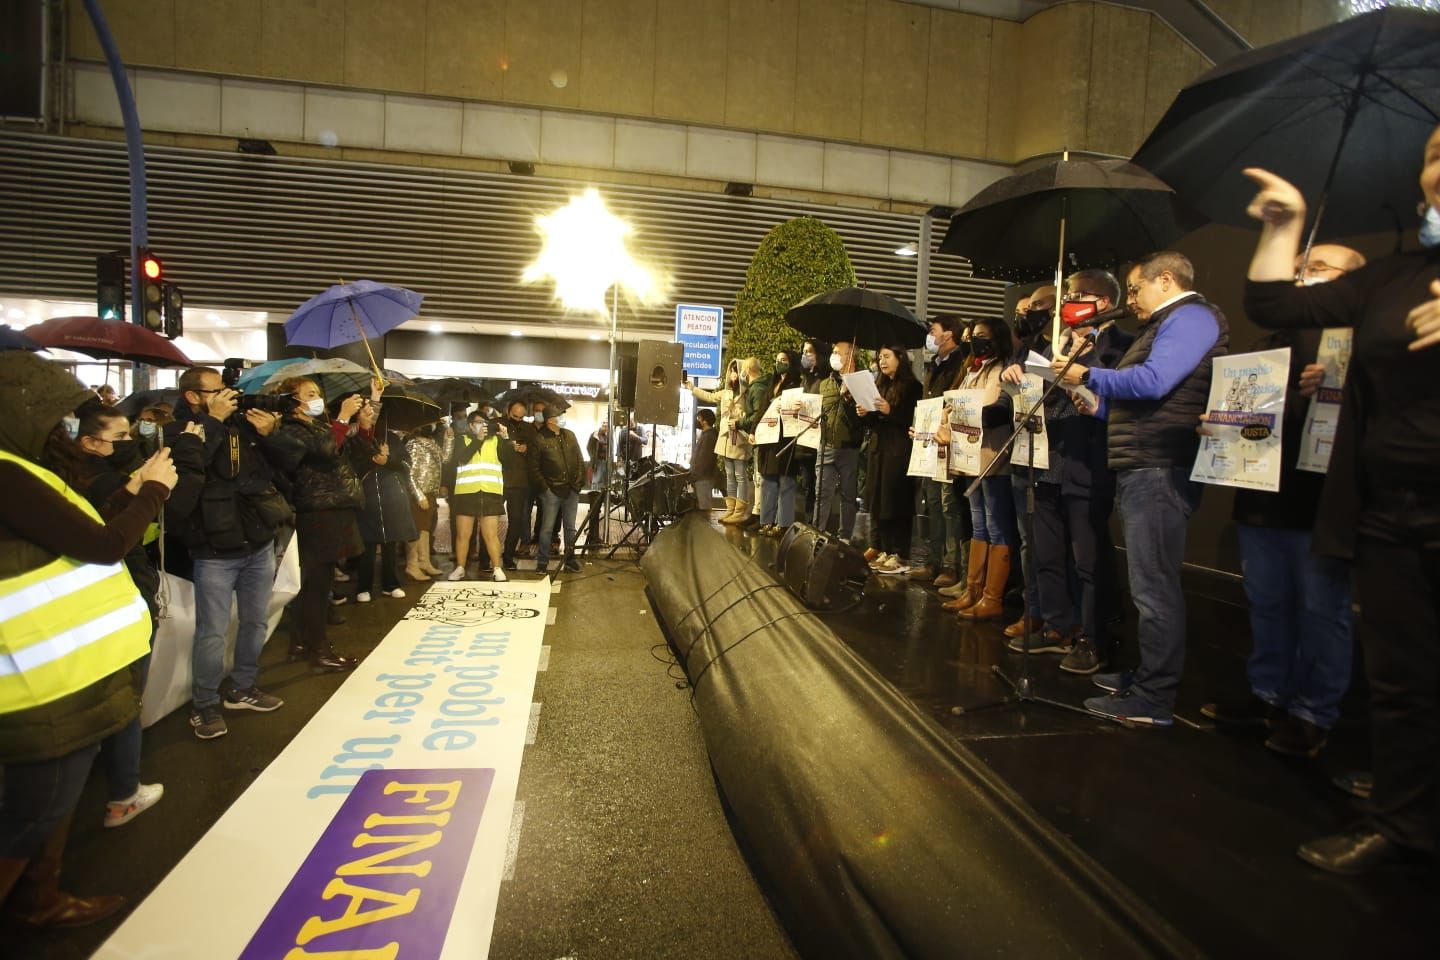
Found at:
<point>135,148</point>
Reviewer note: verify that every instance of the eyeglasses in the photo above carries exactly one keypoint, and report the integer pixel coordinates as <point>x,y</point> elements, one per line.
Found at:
<point>1133,289</point>
<point>216,390</point>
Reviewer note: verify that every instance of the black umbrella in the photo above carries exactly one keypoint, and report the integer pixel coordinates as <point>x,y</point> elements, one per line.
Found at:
<point>531,394</point>
<point>136,404</point>
<point>1348,106</point>
<point>11,339</point>
<point>453,390</point>
<point>405,408</point>
<point>1096,212</point>
<point>860,315</point>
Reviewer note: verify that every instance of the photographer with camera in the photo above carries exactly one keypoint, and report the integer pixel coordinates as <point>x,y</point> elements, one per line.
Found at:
<point>226,510</point>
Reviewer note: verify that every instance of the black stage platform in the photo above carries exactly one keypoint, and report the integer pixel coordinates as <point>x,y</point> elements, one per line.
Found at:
<point>1200,824</point>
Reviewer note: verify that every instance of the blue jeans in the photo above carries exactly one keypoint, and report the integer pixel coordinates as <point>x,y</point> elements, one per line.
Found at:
<point>942,522</point>
<point>992,512</point>
<point>250,581</point>
<point>1299,623</point>
<point>777,500</point>
<point>38,797</point>
<point>1029,569</point>
<point>1155,505</point>
<point>839,473</point>
<point>553,506</point>
<point>738,483</point>
<point>120,752</point>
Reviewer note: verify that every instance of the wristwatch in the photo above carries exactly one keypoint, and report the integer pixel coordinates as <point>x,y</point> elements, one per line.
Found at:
<point>1085,378</point>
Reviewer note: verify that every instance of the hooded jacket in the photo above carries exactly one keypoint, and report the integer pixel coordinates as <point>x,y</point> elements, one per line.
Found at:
<point>36,525</point>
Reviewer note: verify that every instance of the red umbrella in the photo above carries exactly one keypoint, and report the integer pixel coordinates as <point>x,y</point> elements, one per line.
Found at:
<point>108,340</point>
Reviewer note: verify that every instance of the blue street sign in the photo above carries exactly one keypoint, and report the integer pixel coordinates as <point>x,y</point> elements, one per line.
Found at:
<point>700,328</point>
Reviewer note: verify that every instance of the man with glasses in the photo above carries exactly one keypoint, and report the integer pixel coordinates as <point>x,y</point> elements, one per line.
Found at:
<point>1152,400</point>
<point>226,510</point>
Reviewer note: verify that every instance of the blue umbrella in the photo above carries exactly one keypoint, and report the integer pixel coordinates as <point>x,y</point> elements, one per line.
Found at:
<point>351,311</point>
<point>254,377</point>
<point>15,340</point>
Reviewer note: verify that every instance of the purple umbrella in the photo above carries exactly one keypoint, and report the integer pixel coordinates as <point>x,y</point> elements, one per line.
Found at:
<point>11,339</point>
<point>348,312</point>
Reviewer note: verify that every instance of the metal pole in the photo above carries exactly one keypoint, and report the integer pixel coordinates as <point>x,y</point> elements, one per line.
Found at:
<point>610,411</point>
<point>135,149</point>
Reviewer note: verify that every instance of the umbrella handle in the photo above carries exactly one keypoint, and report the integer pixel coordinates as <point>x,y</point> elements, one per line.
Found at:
<point>374,366</point>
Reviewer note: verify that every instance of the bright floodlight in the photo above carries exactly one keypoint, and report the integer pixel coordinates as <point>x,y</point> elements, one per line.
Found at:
<point>584,253</point>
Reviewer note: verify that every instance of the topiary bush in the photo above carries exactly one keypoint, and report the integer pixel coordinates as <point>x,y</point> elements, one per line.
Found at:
<point>797,259</point>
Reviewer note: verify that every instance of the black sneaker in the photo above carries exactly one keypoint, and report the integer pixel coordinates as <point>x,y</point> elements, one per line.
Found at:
<point>1082,657</point>
<point>1249,711</point>
<point>252,699</point>
<point>1357,783</point>
<point>1114,682</point>
<point>1296,737</point>
<point>508,563</point>
<point>573,565</point>
<point>208,723</point>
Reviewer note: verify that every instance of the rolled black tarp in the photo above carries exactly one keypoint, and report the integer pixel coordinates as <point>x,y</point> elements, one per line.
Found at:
<point>873,832</point>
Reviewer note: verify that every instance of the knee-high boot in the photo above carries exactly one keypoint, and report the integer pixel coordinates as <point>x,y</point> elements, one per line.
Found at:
<point>967,593</point>
<point>997,572</point>
<point>36,898</point>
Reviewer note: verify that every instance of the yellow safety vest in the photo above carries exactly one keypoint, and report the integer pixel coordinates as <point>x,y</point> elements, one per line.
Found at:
<point>483,474</point>
<point>67,624</point>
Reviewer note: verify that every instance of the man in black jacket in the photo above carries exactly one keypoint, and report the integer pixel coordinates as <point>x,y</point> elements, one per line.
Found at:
<point>944,516</point>
<point>702,464</point>
<point>519,498</point>
<point>226,510</point>
<point>557,468</point>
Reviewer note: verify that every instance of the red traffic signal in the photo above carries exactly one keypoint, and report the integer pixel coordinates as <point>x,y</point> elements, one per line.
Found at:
<point>152,293</point>
<point>150,267</point>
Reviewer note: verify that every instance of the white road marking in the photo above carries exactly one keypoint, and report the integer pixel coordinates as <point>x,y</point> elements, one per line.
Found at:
<point>512,843</point>
<point>533,727</point>
<point>544,658</point>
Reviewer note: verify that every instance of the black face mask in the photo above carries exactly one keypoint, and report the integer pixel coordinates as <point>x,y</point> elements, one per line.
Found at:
<point>124,455</point>
<point>982,346</point>
<point>781,368</point>
<point>1032,322</point>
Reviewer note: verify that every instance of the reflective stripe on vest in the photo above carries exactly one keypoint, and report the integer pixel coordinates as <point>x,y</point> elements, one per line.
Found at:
<point>67,624</point>
<point>483,473</point>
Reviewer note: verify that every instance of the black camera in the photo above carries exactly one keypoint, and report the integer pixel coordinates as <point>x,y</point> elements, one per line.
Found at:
<point>281,403</point>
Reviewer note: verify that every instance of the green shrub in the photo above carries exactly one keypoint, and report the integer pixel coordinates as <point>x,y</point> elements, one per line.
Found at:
<point>796,260</point>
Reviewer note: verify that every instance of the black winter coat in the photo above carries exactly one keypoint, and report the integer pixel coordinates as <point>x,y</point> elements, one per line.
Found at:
<point>556,463</point>
<point>320,475</point>
<point>386,516</point>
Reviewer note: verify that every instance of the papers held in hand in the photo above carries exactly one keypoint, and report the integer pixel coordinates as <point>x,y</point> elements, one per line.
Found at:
<point>1039,366</point>
<point>861,385</point>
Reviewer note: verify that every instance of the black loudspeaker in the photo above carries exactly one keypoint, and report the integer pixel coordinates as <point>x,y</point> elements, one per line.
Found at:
<point>626,399</point>
<point>657,382</point>
<point>820,569</point>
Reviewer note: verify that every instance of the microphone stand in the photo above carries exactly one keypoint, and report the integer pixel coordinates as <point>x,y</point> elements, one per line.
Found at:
<point>1022,688</point>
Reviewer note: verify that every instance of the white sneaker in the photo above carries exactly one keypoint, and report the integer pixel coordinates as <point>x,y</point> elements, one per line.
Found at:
<point>396,594</point>
<point>341,576</point>
<point>338,601</point>
<point>457,574</point>
<point>362,597</point>
<point>119,812</point>
<point>499,576</point>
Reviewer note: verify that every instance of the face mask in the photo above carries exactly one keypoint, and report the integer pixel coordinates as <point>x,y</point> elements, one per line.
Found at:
<point>733,379</point>
<point>148,428</point>
<point>836,363</point>
<point>314,407</point>
<point>781,368</point>
<point>1077,312</point>
<point>807,362</point>
<point>72,426</point>
<point>1430,228</point>
<point>539,418</point>
<point>982,346</point>
<point>1032,322</point>
<point>122,454</point>
<point>559,422</point>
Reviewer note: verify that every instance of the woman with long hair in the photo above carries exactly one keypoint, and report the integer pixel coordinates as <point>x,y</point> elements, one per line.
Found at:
<point>731,447</point>
<point>777,460</point>
<point>379,458</point>
<point>426,460</point>
<point>992,506</point>
<point>328,499</point>
<point>889,492</point>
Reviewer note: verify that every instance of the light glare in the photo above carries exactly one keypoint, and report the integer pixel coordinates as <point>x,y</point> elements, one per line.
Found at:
<point>584,253</point>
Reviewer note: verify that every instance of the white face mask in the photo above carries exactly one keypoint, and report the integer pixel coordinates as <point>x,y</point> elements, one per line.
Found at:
<point>72,426</point>
<point>836,363</point>
<point>147,428</point>
<point>314,407</point>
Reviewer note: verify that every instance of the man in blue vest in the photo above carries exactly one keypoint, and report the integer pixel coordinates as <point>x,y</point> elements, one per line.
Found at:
<point>1151,401</point>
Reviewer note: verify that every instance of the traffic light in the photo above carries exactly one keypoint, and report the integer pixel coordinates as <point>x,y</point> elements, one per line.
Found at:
<point>174,312</point>
<point>110,286</point>
<point>152,290</point>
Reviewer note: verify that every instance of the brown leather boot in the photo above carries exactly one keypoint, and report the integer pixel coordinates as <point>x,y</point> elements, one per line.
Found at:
<point>1025,625</point>
<point>974,578</point>
<point>997,572</point>
<point>36,899</point>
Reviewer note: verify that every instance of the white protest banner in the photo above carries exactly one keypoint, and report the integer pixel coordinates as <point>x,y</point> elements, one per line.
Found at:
<point>388,809</point>
<point>1024,396</point>
<point>861,385</point>
<point>800,416</point>
<point>966,430</point>
<point>1318,435</point>
<point>1241,443</point>
<point>768,429</point>
<point>925,451</point>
